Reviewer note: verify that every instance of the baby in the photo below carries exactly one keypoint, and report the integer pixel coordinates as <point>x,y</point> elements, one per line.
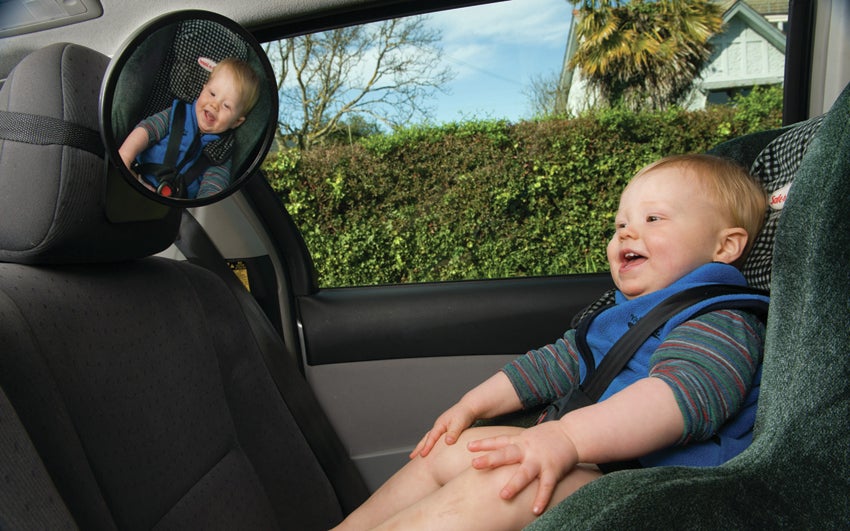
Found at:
<point>687,396</point>
<point>166,154</point>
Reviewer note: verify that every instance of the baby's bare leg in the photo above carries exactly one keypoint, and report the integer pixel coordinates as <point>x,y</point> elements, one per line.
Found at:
<point>471,501</point>
<point>419,478</point>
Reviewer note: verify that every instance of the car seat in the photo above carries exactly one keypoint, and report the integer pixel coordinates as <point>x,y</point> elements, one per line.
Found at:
<point>136,392</point>
<point>795,473</point>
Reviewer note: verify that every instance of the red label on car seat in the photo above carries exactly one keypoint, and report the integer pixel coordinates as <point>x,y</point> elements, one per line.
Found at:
<point>777,198</point>
<point>206,63</point>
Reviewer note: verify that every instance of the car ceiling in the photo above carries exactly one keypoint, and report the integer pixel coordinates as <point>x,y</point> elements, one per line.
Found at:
<point>267,18</point>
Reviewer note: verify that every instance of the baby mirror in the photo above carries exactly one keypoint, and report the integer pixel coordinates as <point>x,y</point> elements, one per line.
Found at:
<point>188,108</point>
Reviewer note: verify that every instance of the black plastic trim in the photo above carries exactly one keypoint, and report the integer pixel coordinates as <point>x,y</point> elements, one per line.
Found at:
<point>348,16</point>
<point>480,317</point>
<point>798,61</point>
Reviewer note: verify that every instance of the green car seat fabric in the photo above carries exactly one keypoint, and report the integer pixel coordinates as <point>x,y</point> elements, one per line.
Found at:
<point>795,474</point>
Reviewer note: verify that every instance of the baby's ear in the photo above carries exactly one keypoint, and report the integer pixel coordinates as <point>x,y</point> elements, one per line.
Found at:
<point>731,245</point>
<point>238,122</point>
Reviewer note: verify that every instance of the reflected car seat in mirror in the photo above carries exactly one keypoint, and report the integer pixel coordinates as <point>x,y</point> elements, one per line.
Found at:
<point>188,108</point>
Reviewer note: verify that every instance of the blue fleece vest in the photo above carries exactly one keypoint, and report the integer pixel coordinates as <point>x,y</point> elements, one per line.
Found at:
<point>612,323</point>
<point>156,153</point>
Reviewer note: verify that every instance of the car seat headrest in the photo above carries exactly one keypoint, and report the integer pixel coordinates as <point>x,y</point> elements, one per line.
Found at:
<point>57,200</point>
<point>775,168</point>
<point>194,41</point>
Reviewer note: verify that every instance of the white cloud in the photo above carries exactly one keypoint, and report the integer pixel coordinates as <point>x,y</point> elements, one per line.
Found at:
<point>470,58</point>
<point>523,22</point>
<point>481,39</point>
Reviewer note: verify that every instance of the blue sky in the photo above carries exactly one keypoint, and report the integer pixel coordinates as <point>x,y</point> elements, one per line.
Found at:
<point>495,51</point>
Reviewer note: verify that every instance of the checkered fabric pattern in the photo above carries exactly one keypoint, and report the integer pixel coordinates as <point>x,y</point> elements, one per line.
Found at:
<point>774,168</point>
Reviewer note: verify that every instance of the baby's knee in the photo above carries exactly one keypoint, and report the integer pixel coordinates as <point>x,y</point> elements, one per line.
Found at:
<point>446,461</point>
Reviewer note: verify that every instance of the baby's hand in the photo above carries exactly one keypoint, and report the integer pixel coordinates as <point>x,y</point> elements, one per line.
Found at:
<point>543,452</point>
<point>451,423</point>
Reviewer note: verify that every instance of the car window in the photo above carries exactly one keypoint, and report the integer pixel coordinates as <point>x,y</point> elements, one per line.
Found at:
<point>476,143</point>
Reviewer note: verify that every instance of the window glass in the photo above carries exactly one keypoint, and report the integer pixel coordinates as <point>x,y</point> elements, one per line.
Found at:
<point>474,144</point>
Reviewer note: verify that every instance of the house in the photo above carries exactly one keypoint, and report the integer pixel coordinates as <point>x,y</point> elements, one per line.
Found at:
<point>749,52</point>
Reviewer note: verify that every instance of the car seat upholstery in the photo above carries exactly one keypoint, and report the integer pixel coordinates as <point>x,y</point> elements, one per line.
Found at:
<point>795,474</point>
<point>139,394</point>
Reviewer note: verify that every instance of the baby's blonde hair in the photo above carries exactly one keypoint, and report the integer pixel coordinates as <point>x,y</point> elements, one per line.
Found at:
<point>741,200</point>
<point>246,78</point>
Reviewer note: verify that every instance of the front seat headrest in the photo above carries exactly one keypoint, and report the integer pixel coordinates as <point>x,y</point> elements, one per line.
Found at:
<point>53,193</point>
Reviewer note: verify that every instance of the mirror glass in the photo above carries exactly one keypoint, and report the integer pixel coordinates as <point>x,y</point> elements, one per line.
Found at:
<point>187,111</point>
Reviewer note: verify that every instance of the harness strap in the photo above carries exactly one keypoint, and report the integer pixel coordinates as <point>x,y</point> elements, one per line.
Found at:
<point>178,127</point>
<point>45,131</point>
<point>581,339</point>
<point>173,174</point>
<point>194,171</point>
<point>599,378</point>
<point>166,172</point>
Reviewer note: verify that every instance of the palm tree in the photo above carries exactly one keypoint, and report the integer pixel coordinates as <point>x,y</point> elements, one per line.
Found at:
<point>642,53</point>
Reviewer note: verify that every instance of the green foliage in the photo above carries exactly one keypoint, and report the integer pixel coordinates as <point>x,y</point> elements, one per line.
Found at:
<point>644,55</point>
<point>761,108</point>
<point>484,199</point>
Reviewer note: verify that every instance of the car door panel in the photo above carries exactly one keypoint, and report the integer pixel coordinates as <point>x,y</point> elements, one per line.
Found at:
<point>380,409</point>
<point>385,361</point>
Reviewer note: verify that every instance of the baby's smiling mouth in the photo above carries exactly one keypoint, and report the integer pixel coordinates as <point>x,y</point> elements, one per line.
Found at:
<point>631,259</point>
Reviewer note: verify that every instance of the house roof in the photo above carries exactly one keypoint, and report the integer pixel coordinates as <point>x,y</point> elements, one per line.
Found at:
<point>747,13</point>
<point>762,7</point>
<point>756,20</point>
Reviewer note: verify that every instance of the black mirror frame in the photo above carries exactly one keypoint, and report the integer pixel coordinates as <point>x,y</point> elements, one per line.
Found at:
<point>111,78</point>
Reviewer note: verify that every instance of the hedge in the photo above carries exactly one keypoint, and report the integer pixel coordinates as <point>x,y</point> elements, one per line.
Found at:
<point>486,199</point>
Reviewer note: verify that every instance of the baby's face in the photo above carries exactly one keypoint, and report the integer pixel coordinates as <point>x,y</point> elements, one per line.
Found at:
<point>666,227</point>
<point>219,106</point>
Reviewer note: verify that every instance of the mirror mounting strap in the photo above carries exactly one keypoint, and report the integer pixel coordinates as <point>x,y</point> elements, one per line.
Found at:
<point>45,130</point>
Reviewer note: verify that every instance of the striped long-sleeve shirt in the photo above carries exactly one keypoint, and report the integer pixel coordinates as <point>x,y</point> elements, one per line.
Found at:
<point>710,362</point>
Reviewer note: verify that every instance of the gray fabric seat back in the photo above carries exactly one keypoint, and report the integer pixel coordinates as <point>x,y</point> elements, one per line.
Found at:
<point>138,380</point>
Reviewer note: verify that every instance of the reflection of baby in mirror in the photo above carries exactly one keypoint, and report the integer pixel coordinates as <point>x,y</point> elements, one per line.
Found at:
<point>170,161</point>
